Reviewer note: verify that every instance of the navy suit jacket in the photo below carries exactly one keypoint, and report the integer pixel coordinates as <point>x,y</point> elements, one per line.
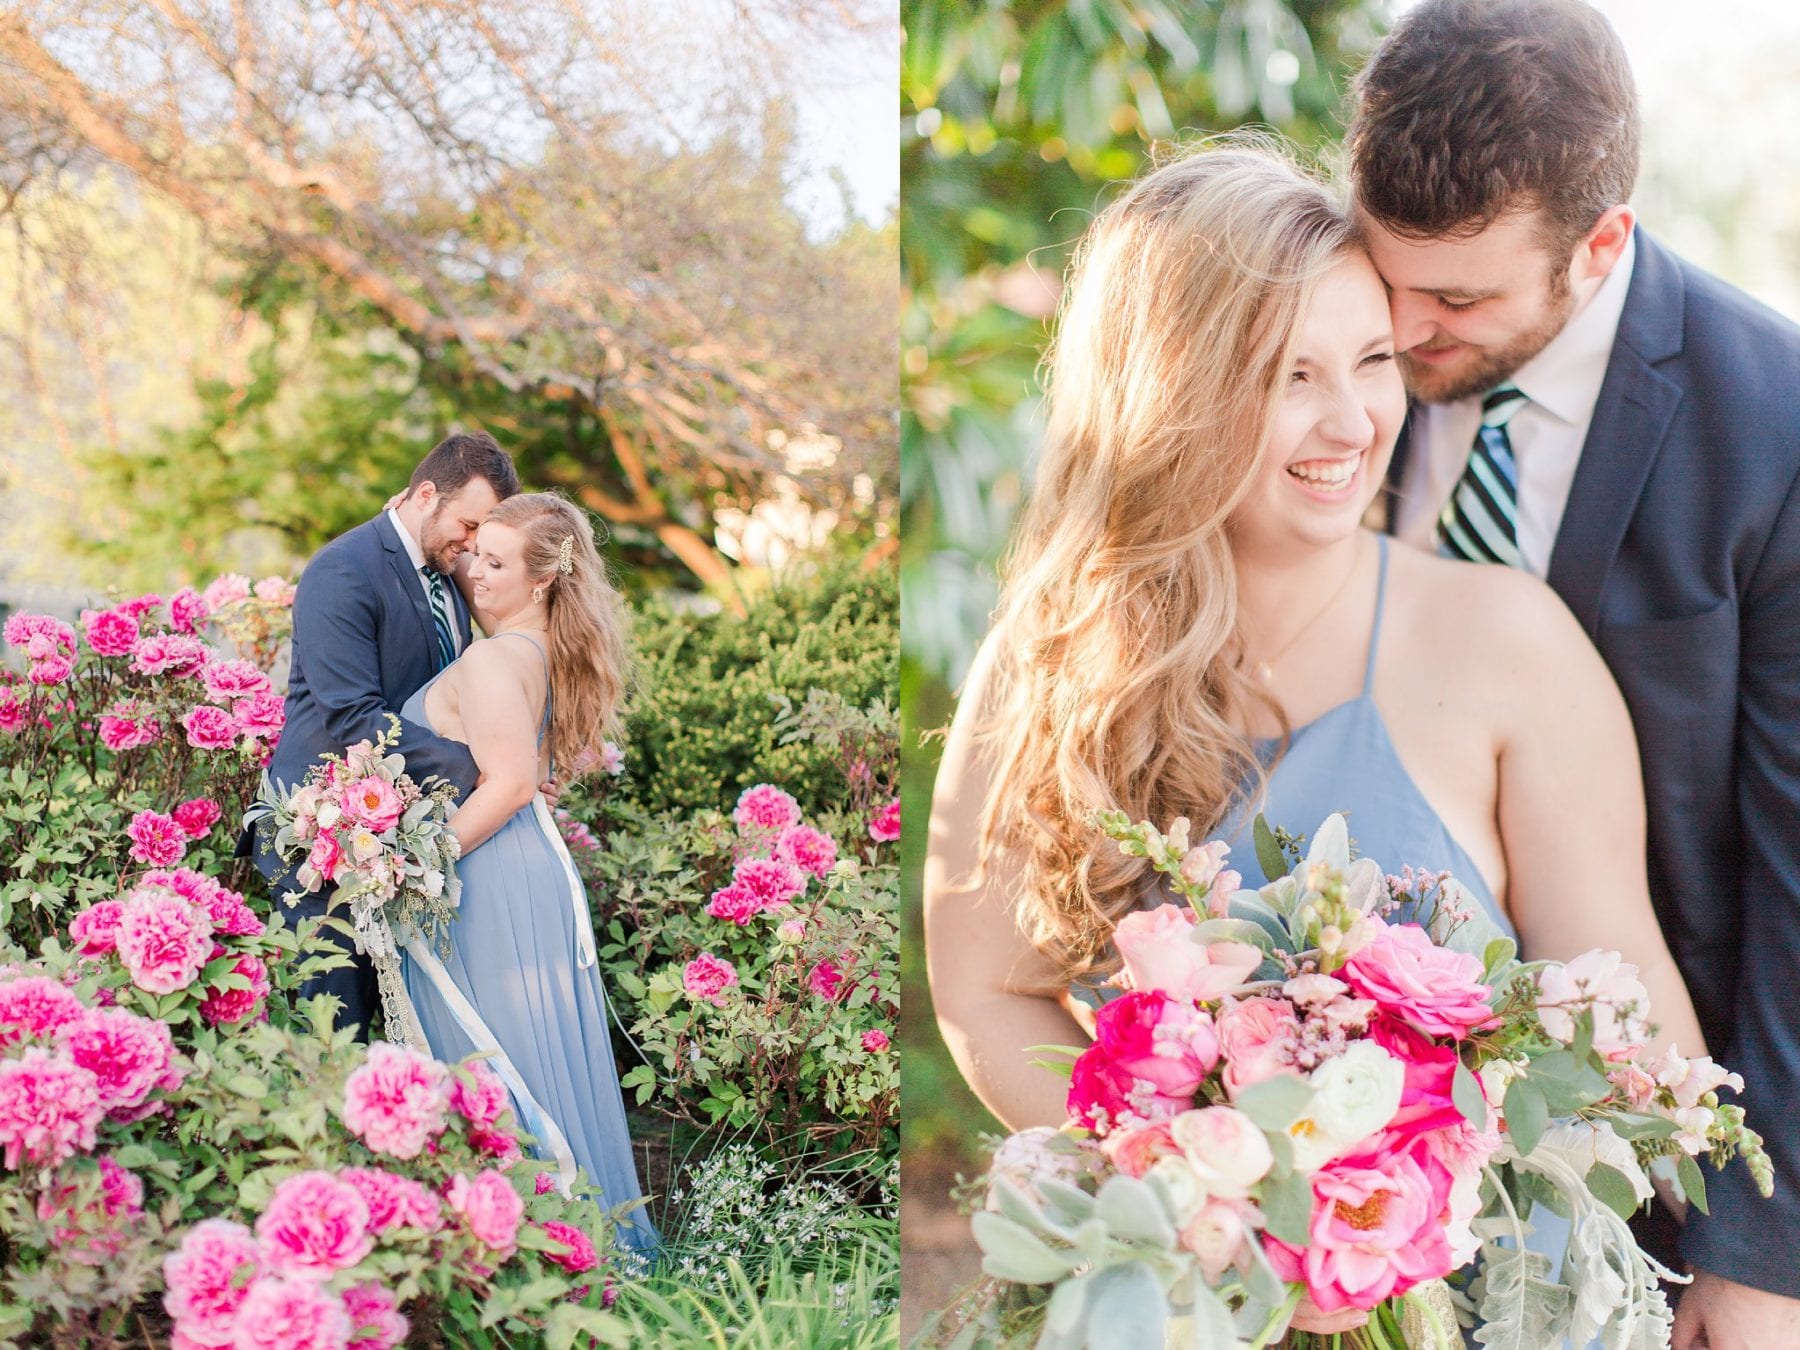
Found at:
<point>363,645</point>
<point>1679,553</point>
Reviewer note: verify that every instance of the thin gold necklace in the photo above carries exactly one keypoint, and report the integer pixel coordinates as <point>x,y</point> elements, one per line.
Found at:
<point>1265,668</point>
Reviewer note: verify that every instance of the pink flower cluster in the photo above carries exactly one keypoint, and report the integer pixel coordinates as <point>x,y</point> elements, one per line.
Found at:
<point>345,813</point>
<point>396,1101</point>
<point>48,644</point>
<point>757,885</point>
<point>884,828</point>
<point>765,808</point>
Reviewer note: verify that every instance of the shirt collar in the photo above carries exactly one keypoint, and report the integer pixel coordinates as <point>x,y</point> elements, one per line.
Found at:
<point>407,542</point>
<point>1565,378</point>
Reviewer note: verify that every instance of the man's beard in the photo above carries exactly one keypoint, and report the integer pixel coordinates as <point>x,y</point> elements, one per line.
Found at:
<point>1493,365</point>
<point>438,554</point>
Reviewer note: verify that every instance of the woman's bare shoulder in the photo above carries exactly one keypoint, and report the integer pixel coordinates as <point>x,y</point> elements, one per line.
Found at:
<point>1482,609</point>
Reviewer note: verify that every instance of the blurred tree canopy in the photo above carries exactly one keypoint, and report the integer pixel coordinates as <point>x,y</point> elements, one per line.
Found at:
<point>261,254</point>
<point>1016,115</point>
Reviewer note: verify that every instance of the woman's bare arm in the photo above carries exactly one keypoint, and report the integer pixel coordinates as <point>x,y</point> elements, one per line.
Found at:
<point>976,957</point>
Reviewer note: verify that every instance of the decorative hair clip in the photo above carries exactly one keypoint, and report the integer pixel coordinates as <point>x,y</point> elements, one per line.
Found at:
<point>565,556</point>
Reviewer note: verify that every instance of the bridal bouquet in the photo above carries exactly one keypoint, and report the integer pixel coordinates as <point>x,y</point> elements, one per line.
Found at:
<point>1324,1097</point>
<point>359,822</point>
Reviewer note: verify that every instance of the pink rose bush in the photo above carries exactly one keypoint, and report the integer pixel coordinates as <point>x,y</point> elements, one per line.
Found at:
<point>1320,1080</point>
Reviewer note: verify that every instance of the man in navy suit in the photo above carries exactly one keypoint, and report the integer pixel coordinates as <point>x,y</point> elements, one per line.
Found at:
<point>1596,410</point>
<point>375,617</point>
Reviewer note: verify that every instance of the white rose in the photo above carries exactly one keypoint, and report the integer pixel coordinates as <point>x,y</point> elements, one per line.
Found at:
<point>1355,1095</point>
<point>328,814</point>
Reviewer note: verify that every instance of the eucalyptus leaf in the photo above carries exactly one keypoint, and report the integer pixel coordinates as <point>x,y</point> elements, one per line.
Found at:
<point>1466,1092</point>
<point>1526,1114</point>
<point>1269,856</point>
<point>1612,1189</point>
<point>1693,1184</point>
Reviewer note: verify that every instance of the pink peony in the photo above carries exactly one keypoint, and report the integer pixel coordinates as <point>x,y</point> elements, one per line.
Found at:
<point>290,1314</point>
<point>1152,1037</point>
<point>231,916</point>
<point>156,839</point>
<point>275,591</point>
<point>1376,1230</point>
<point>765,807</point>
<point>375,1317</point>
<point>49,1108</point>
<point>884,828</point>
<point>12,712</point>
<point>544,1184</point>
<point>394,1201</point>
<point>187,611</point>
<point>1431,987</point>
<point>209,728</point>
<point>1135,1149</point>
<point>127,725</point>
<point>733,903</point>
<point>227,1007</point>
<point>478,1094</point>
<point>314,1226</point>
<point>772,883</point>
<point>875,1042</point>
<point>128,1055</point>
<point>1159,952</point>
<point>490,1207</point>
<point>581,1255</point>
<point>163,940</point>
<point>52,670</point>
<point>502,1147</point>
<point>373,801</point>
<point>138,606</point>
<point>110,632</point>
<point>197,816</point>
<point>261,715</point>
<point>612,759</point>
<point>1258,1038</point>
<point>95,931</point>
<point>707,977</point>
<point>225,590</point>
<point>169,654</point>
<point>807,849</point>
<point>208,1278</point>
<point>98,1230</point>
<point>35,1006</point>
<point>396,1100</point>
<point>830,981</point>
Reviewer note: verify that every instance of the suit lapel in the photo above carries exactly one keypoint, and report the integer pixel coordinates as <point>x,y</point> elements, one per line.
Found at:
<point>1631,418</point>
<point>408,581</point>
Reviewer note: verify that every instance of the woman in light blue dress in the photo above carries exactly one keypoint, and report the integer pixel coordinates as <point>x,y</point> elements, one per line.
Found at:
<point>521,983</point>
<point>1196,622</point>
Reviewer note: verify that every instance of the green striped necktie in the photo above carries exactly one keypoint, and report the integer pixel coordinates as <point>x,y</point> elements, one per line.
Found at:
<point>440,616</point>
<point>1480,522</point>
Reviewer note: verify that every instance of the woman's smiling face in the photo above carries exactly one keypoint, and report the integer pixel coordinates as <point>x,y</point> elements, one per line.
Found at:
<point>497,577</point>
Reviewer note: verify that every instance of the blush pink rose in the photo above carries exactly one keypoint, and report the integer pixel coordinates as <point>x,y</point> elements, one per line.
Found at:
<point>884,827</point>
<point>1258,1038</point>
<point>209,728</point>
<point>1159,952</point>
<point>156,839</point>
<point>707,977</point>
<point>314,1226</point>
<point>1151,1036</point>
<point>109,631</point>
<point>808,849</point>
<point>36,1007</point>
<point>1409,976</point>
<point>1376,1230</point>
<point>208,1277</point>
<point>1135,1149</point>
<point>490,1207</point>
<point>397,1100</point>
<point>290,1314</point>
<point>1218,1233</point>
<point>1225,1148</point>
<point>49,1108</point>
<point>163,940</point>
<point>765,807</point>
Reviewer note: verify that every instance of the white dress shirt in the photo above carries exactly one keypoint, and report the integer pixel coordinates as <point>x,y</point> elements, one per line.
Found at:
<point>1563,383</point>
<point>417,555</point>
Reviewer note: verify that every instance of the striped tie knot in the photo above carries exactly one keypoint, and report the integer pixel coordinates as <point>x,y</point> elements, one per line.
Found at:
<point>1500,403</point>
<point>440,616</point>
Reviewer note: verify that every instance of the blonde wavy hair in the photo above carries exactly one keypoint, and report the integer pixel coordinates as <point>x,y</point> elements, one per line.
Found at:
<point>590,652</point>
<point>1116,641</point>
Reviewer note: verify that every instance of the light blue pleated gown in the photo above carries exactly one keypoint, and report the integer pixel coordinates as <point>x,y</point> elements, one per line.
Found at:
<point>521,982</point>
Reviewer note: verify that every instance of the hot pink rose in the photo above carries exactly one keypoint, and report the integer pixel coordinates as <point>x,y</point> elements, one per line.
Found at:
<point>109,631</point>
<point>1431,987</point>
<point>1376,1230</point>
<point>581,1255</point>
<point>156,839</point>
<point>314,1226</point>
<point>1425,1100</point>
<point>36,1007</point>
<point>49,1108</point>
<point>187,611</point>
<point>1150,1036</point>
<point>209,728</point>
<point>128,725</point>
<point>130,1056</point>
<point>373,801</point>
<point>1101,1095</point>
<point>162,939</point>
<point>375,1317</point>
<point>396,1100</point>
<point>197,816</point>
<point>224,1007</point>
<point>1258,1038</point>
<point>765,807</point>
<point>707,977</point>
<point>394,1201</point>
<point>1159,952</point>
<point>805,848</point>
<point>291,1314</point>
<point>208,1279</point>
<point>490,1207</point>
<point>884,827</point>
